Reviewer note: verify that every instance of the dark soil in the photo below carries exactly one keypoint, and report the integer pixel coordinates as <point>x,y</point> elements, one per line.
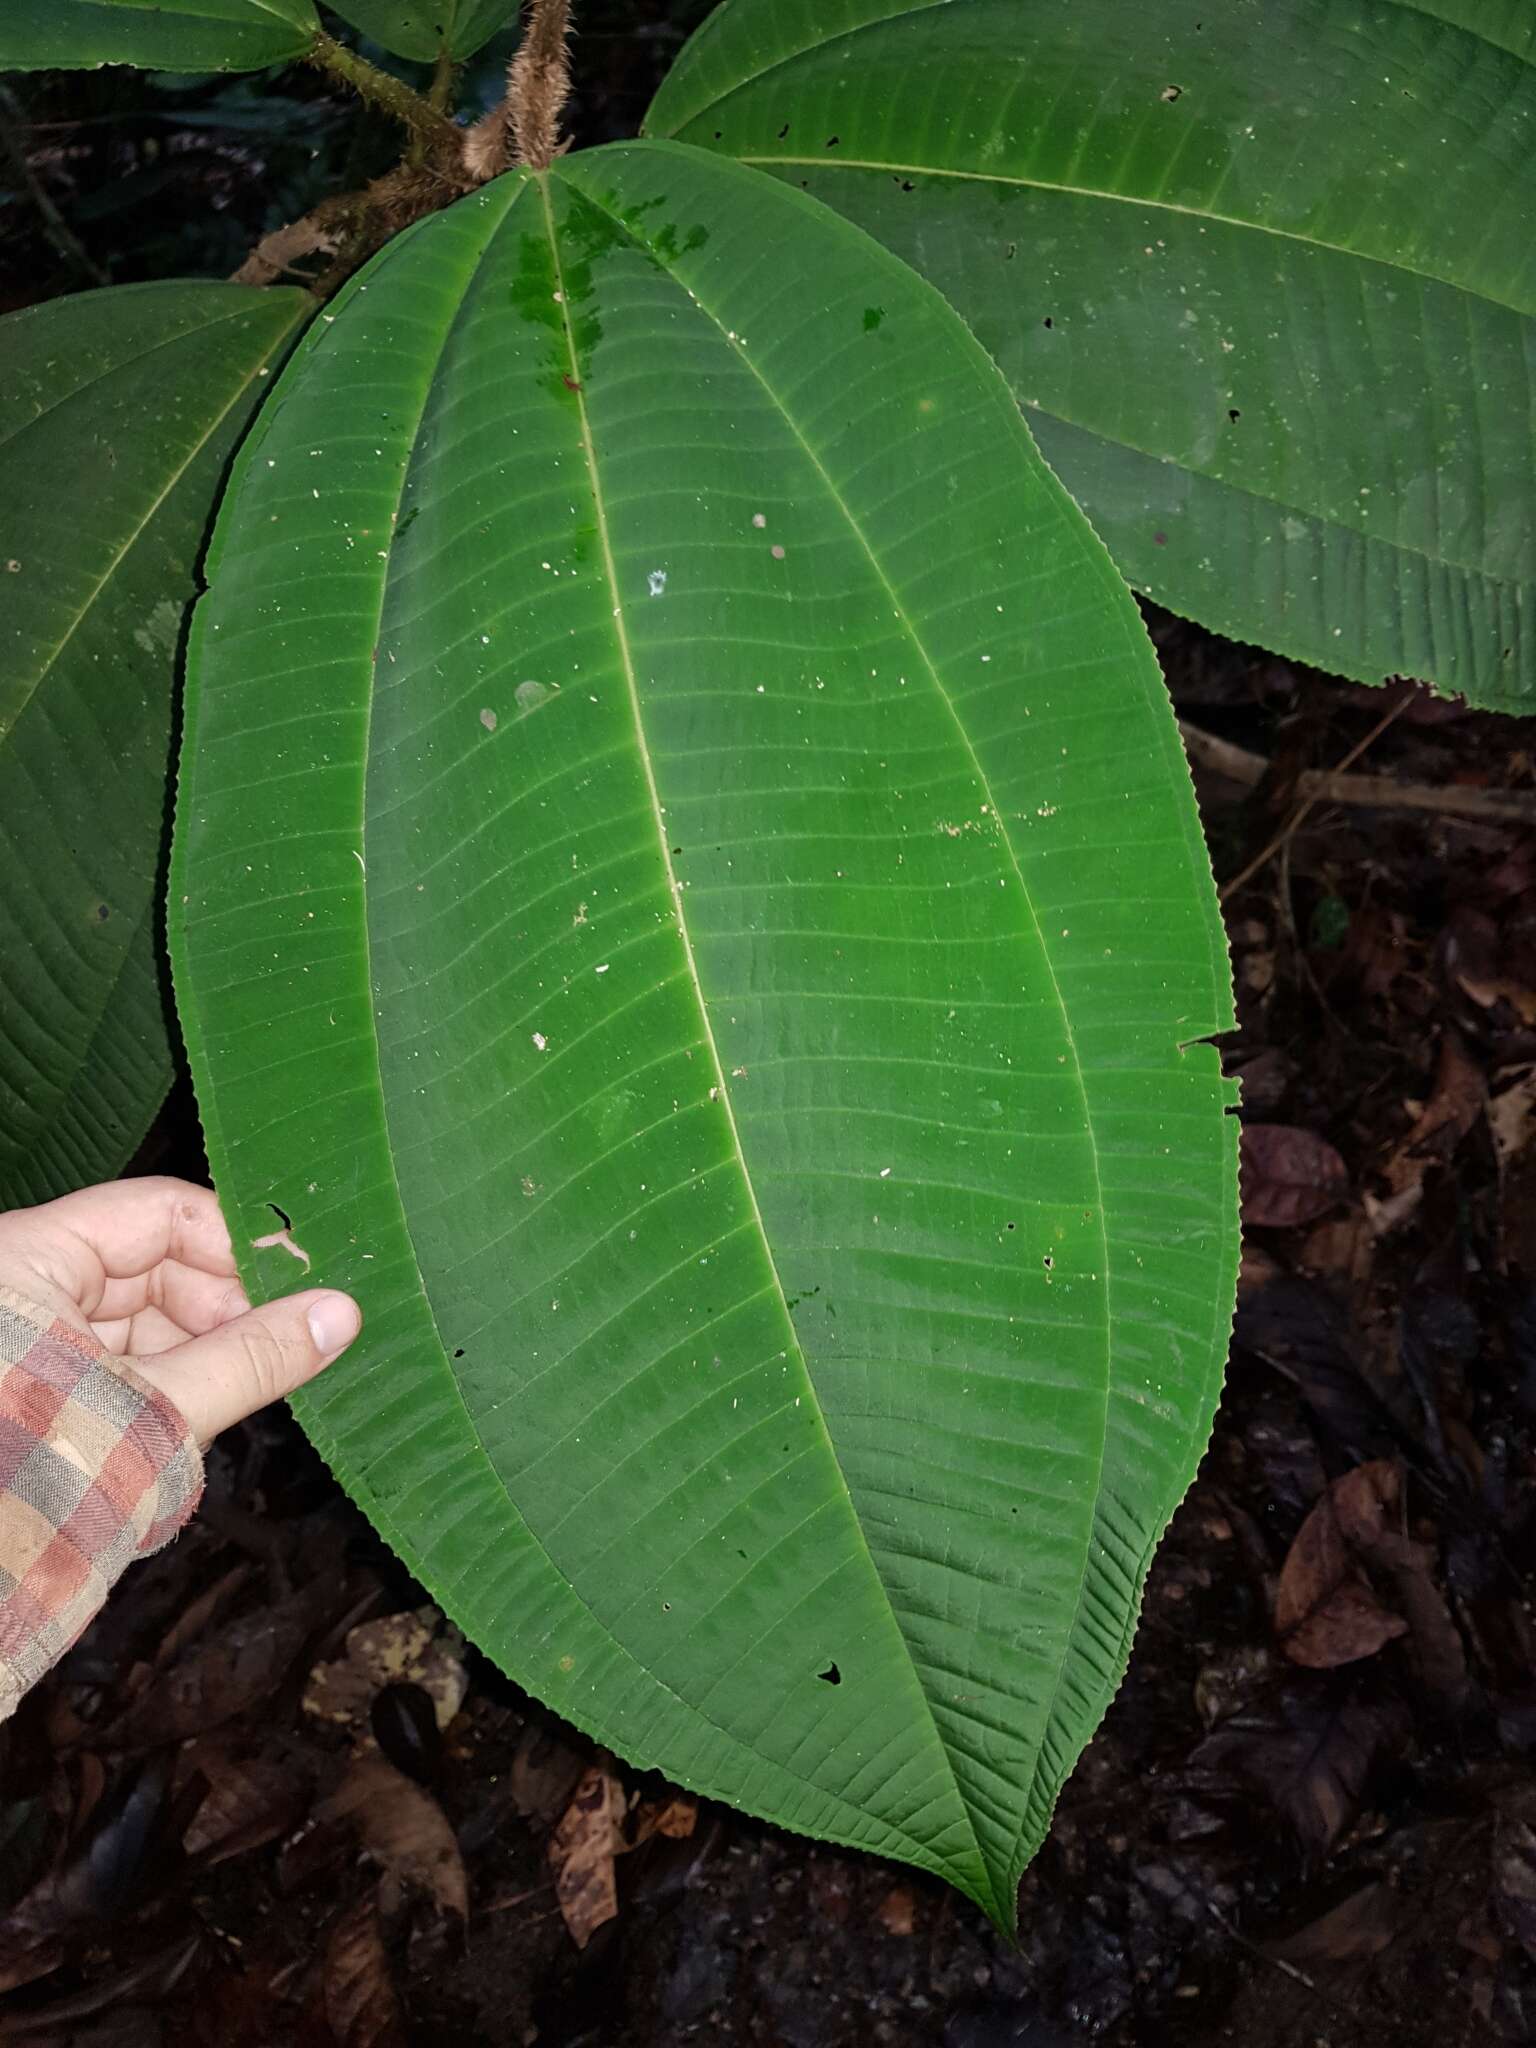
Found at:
<point>1310,1816</point>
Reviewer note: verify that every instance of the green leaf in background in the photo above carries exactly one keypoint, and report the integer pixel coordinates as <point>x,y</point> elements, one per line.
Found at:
<point>1263,273</point>
<point>168,35</point>
<point>688,896</point>
<point>118,413</point>
<point>422,29</point>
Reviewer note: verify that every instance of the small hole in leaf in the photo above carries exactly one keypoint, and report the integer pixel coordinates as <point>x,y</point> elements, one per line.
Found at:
<point>102,913</point>
<point>832,1675</point>
<point>1013,1226</point>
<point>783,131</point>
<point>281,1238</point>
<point>1049,1263</point>
<point>460,1352</point>
<point>1171,92</point>
<point>833,141</point>
<point>1047,321</point>
<point>1234,412</point>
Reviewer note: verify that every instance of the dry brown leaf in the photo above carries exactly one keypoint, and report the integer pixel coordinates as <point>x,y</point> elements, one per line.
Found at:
<point>229,1670</point>
<point>1512,1117</point>
<point>416,1647</point>
<point>1306,1752</point>
<point>403,1829</point>
<point>582,1849</point>
<point>545,1773</point>
<point>1367,1503</point>
<point>678,1816</point>
<point>675,1817</point>
<point>199,1614</point>
<point>1514,1874</point>
<point>1452,1109</point>
<point>1363,1925</point>
<point>1289,1176</point>
<point>1326,1612</point>
<point>249,1801</point>
<point>897,1910</point>
<point>361,2007</point>
<point>1480,965</point>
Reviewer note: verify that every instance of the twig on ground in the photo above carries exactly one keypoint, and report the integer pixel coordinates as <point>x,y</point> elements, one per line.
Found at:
<point>1365,792</point>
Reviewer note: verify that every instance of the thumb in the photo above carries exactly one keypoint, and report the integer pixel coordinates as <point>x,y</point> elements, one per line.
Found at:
<point>259,1357</point>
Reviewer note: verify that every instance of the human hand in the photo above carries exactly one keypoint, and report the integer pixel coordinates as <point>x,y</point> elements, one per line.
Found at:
<point>147,1267</point>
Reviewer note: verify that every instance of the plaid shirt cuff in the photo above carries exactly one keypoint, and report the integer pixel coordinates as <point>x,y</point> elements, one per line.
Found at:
<point>96,1469</point>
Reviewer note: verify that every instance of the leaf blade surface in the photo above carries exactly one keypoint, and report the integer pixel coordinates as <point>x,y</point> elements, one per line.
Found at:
<point>655,1019</point>
<point>421,29</point>
<point>1257,272</point>
<point>171,35</point>
<point>119,414</point>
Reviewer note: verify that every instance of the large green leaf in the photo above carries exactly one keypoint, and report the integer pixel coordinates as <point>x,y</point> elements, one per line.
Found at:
<point>118,412</point>
<point>1262,271</point>
<point>423,28</point>
<point>688,896</point>
<point>171,35</point>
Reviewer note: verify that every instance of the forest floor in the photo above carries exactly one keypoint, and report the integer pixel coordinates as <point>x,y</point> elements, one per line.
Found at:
<point>234,1815</point>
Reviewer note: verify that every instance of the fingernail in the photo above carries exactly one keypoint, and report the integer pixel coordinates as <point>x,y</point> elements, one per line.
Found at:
<point>334,1321</point>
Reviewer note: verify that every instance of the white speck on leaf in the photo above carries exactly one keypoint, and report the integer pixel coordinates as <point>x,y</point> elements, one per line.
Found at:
<point>656,582</point>
<point>540,1041</point>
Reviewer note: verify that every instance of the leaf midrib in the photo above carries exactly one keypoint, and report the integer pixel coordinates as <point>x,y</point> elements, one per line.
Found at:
<point>723,1095</point>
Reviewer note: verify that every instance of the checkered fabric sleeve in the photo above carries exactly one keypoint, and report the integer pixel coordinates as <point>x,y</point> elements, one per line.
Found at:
<point>96,1469</point>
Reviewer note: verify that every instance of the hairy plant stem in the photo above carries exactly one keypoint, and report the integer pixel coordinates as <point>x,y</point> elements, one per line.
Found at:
<point>524,126</point>
<point>539,83</point>
<point>424,121</point>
